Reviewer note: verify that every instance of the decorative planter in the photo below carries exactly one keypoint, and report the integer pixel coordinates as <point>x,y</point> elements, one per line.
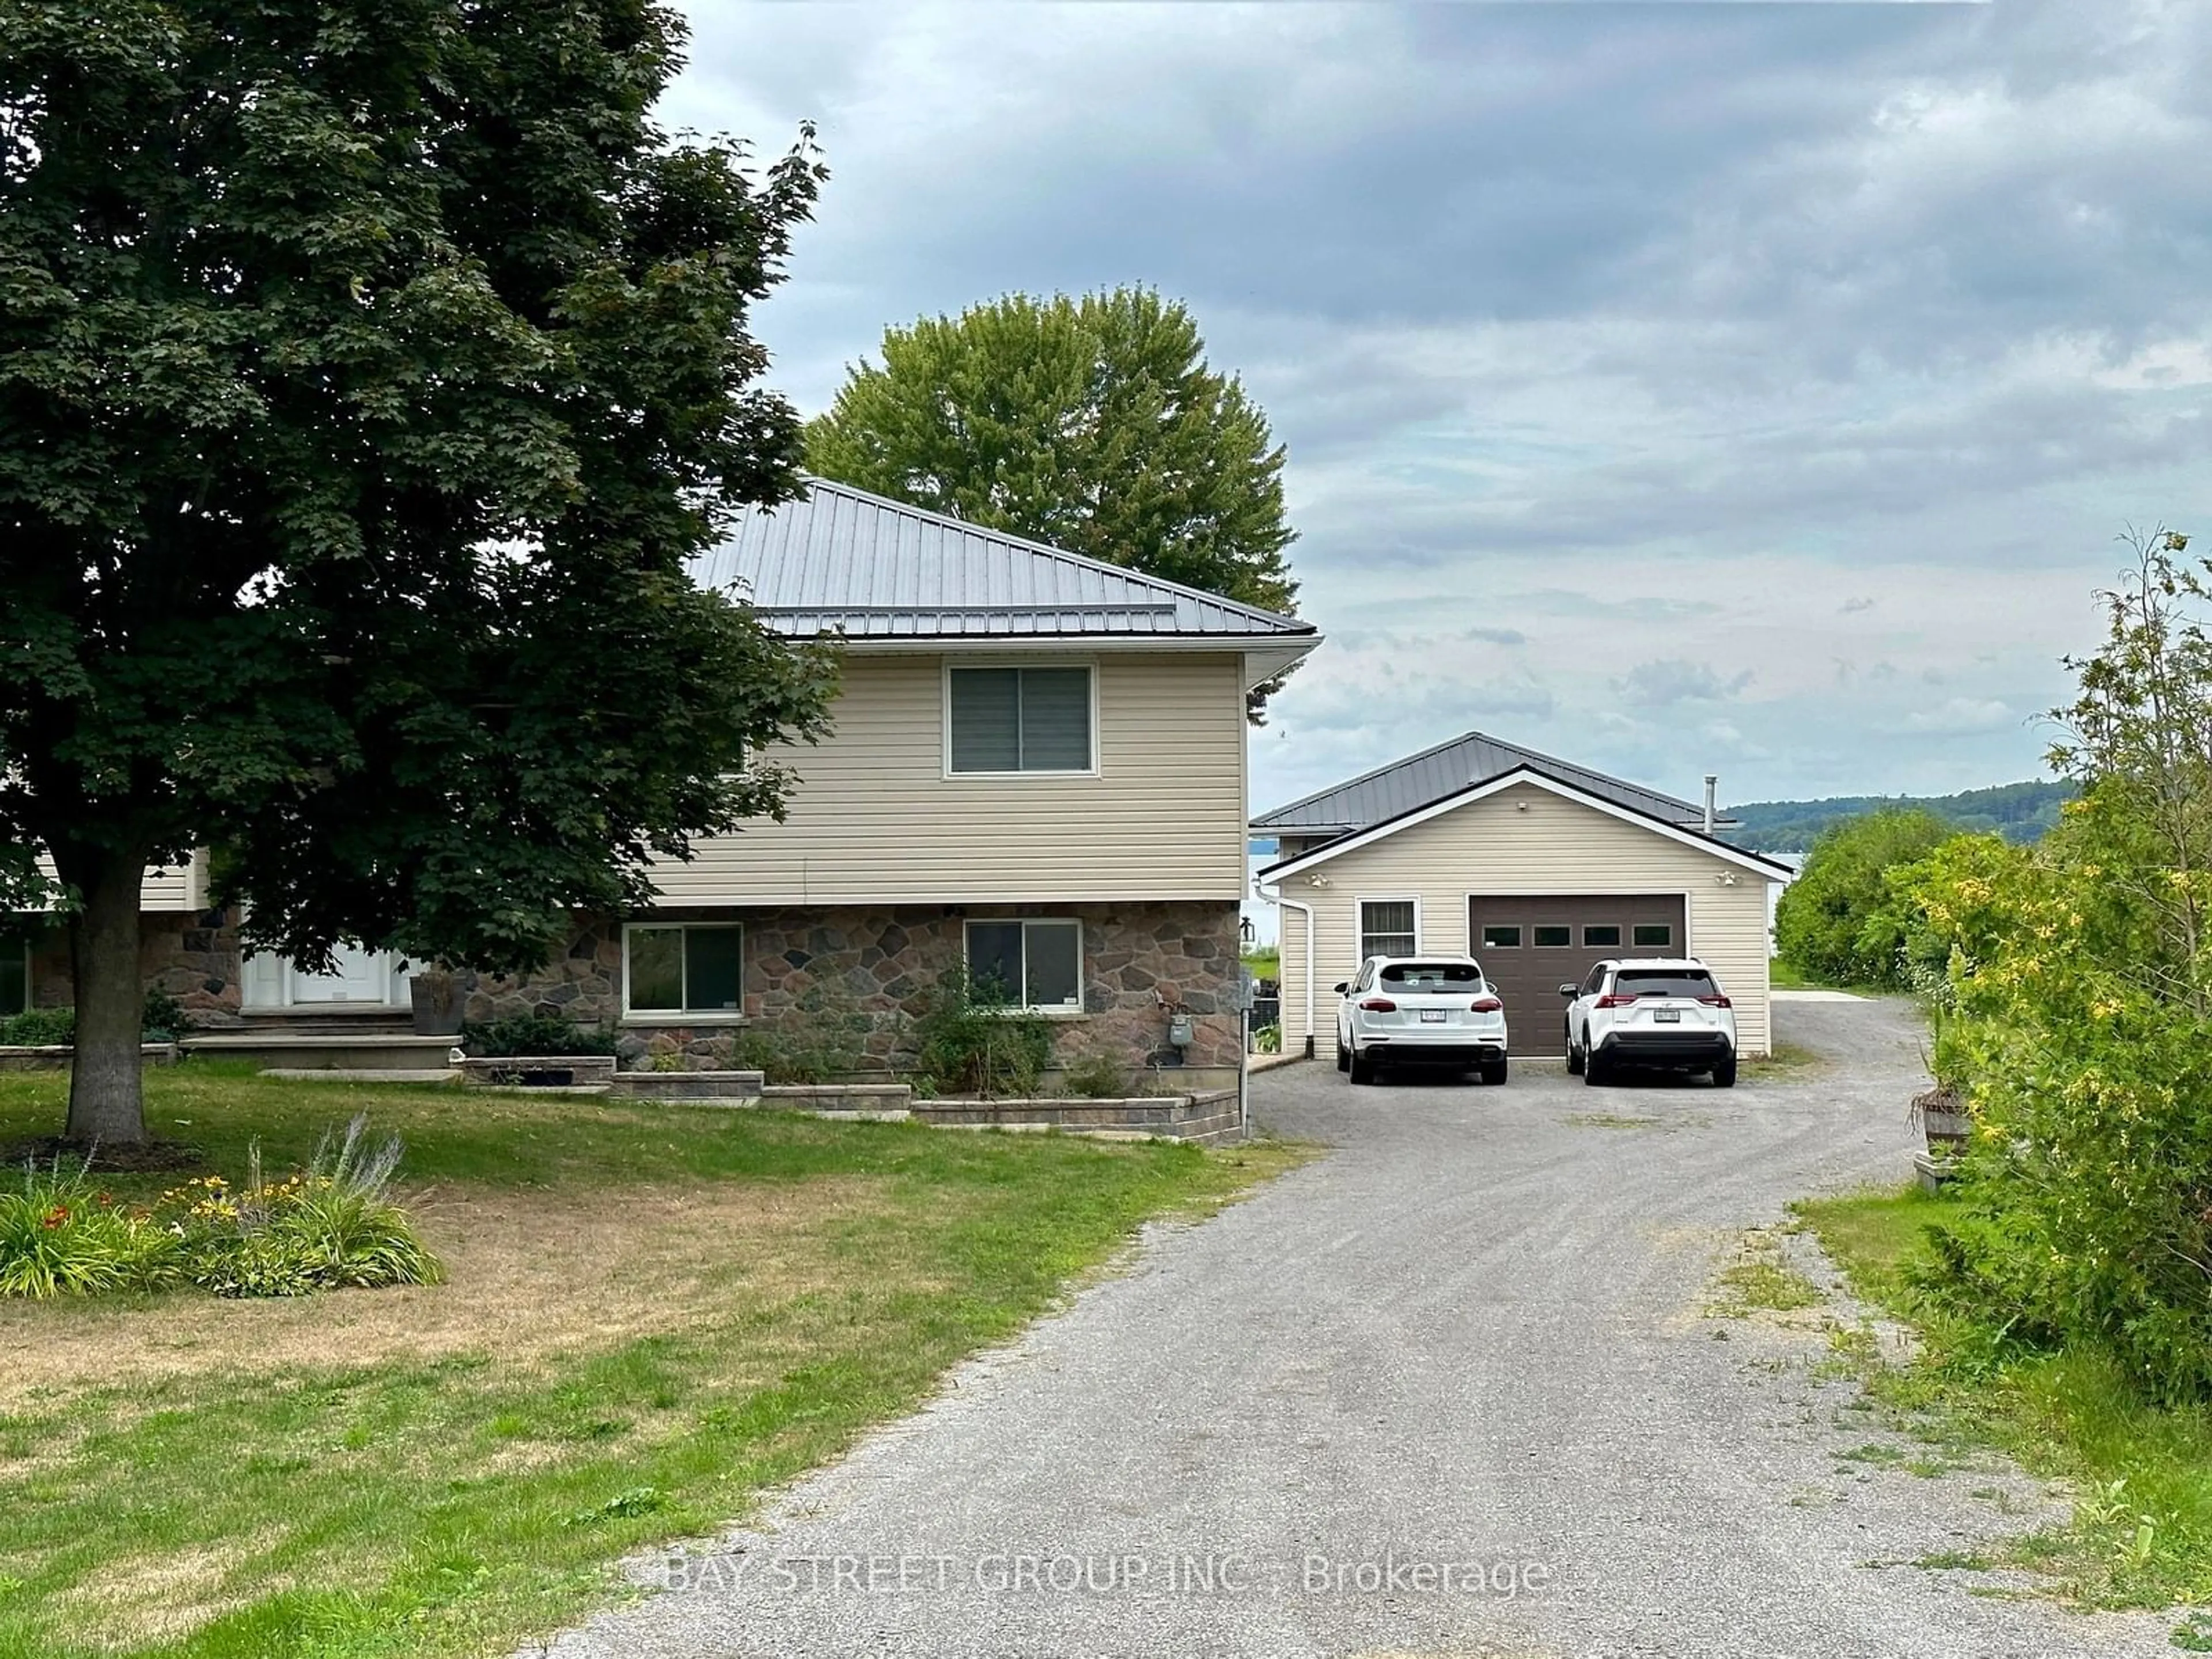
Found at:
<point>1944,1120</point>
<point>439,1004</point>
<point>540,1071</point>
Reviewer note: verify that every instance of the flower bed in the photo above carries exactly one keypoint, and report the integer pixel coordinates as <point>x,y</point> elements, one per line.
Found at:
<point>333,1223</point>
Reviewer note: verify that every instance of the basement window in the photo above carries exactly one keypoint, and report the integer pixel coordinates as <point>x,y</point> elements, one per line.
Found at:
<point>1037,965</point>
<point>696,967</point>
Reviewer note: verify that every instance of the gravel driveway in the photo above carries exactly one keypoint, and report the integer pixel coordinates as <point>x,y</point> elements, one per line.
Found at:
<point>1452,1389</point>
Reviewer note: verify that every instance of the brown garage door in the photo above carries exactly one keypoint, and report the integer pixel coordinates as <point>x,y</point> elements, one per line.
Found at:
<point>1530,946</point>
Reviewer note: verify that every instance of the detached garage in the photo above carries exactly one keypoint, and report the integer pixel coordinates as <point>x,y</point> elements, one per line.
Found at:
<point>1537,868</point>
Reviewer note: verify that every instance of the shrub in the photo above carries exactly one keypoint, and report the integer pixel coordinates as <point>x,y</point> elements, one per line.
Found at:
<point>971,1041</point>
<point>1267,1040</point>
<point>1837,921</point>
<point>535,1034</point>
<point>40,1027</point>
<point>164,1019</point>
<point>60,1236</point>
<point>1096,1077</point>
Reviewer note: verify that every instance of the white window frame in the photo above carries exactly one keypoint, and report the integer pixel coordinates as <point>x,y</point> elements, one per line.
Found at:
<point>1359,919</point>
<point>683,1016</point>
<point>1058,1010</point>
<point>1088,665</point>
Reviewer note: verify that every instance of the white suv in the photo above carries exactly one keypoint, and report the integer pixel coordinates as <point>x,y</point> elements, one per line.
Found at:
<point>1666,1012</point>
<point>1423,1011</point>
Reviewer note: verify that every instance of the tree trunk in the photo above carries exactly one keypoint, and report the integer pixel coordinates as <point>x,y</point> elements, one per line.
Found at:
<point>108,1102</point>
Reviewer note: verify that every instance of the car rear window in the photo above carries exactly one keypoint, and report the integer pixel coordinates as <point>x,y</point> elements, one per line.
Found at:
<point>1415,977</point>
<point>1662,982</point>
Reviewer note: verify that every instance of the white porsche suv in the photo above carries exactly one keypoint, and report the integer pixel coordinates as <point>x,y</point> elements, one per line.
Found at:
<point>1422,1010</point>
<point>1662,1012</point>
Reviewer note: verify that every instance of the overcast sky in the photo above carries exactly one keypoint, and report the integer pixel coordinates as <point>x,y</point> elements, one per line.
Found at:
<point>1743,387</point>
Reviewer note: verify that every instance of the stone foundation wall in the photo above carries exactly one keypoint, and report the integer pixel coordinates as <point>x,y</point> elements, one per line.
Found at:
<point>192,957</point>
<point>873,972</point>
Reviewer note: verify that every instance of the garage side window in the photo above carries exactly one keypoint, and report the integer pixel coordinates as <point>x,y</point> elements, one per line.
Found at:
<point>695,970</point>
<point>1388,927</point>
<point>1033,965</point>
<point>1018,719</point>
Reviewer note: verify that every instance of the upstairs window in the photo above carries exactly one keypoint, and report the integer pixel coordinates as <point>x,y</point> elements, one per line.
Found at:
<point>693,969</point>
<point>1019,720</point>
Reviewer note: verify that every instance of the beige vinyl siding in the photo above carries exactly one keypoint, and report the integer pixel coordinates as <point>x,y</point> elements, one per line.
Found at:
<point>1494,846</point>
<point>875,819</point>
<point>166,888</point>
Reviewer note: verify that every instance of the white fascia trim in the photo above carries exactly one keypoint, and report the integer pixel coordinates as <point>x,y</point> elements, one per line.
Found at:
<point>1263,656</point>
<point>1320,855</point>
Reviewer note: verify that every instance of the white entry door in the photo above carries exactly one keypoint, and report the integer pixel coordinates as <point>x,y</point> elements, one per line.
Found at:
<point>370,976</point>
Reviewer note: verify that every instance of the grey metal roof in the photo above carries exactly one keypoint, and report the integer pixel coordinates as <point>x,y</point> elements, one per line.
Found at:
<point>1410,784</point>
<point>844,560</point>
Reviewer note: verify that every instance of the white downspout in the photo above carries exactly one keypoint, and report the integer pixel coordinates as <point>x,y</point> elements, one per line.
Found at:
<point>1306,910</point>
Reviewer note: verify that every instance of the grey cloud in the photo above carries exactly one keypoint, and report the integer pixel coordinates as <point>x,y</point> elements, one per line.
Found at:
<point>1668,680</point>
<point>1629,335</point>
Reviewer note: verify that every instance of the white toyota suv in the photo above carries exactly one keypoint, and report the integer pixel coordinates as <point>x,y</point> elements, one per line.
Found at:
<point>1425,1010</point>
<point>1663,1011</point>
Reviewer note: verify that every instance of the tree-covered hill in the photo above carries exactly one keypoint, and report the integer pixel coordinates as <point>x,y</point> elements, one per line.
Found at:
<point>2018,811</point>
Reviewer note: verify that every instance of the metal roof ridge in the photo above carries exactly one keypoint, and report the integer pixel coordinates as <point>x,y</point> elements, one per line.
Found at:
<point>1081,561</point>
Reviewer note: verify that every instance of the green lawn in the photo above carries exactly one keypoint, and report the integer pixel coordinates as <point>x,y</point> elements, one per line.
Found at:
<point>2141,1474</point>
<point>652,1314</point>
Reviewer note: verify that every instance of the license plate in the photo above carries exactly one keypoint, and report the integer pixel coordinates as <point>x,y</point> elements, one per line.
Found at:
<point>1667,1016</point>
<point>1432,1016</point>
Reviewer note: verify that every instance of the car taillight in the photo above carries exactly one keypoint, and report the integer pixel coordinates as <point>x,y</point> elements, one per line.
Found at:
<point>1717,1002</point>
<point>1616,1000</point>
<point>1488,1005</point>
<point>1380,1006</point>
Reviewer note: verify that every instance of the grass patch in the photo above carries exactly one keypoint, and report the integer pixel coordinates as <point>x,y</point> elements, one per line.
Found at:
<point>1761,1280</point>
<point>2140,1475</point>
<point>1780,976</point>
<point>1786,1060</point>
<point>652,1313</point>
<point>1612,1121</point>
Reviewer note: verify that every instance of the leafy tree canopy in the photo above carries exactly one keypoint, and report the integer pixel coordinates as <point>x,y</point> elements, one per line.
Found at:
<point>1835,922</point>
<point>1091,424</point>
<point>368,370</point>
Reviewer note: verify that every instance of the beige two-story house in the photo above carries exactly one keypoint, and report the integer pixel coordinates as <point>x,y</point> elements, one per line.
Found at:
<point>1038,773</point>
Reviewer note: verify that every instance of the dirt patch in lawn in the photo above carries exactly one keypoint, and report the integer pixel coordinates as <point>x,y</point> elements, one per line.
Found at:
<point>528,1274</point>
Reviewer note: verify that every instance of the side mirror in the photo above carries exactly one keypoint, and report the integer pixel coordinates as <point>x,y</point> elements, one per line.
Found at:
<point>1570,992</point>
<point>1342,986</point>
